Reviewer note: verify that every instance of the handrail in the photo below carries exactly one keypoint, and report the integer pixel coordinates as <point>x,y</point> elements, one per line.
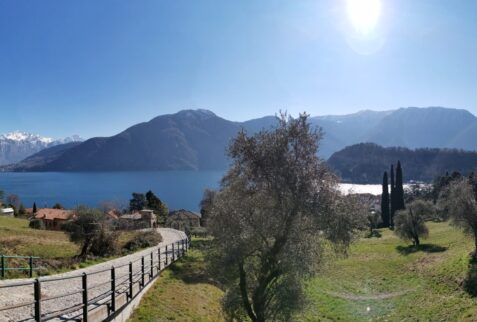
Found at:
<point>150,265</point>
<point>17,256</point>
<point>4,267</point>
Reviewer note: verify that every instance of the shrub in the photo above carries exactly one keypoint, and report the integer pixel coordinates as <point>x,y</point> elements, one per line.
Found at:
<point>409,225</point>
<point>143,240</point>
<point>105,243</point>
<point>37,224</point>
<point>199,231</point>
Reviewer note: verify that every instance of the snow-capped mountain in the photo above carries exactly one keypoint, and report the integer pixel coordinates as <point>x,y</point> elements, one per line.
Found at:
<point>16,146</point>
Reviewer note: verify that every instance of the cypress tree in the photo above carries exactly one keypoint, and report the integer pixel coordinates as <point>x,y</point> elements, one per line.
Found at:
<point>34,208</point>
<point>399,202</point>
<point>393,197</point>
<point>385,201</point>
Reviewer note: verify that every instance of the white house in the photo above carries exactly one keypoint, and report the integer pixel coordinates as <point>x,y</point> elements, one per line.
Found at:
<point>7,211</point>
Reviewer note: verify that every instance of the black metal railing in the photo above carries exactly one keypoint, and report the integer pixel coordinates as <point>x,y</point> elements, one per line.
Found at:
<point>149,268</point>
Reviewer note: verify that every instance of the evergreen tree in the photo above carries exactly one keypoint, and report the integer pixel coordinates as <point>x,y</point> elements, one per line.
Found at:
<point>34,208</point>
<point>138,202</point>
<point>393,197</point>
<point>385,201</point>
<point>159,207</point>
<point>399,202</point>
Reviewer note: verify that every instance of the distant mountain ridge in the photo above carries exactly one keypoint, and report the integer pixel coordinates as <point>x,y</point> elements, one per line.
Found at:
<point>197,139</point>
<point>16,146</point>
<point>366,162</point>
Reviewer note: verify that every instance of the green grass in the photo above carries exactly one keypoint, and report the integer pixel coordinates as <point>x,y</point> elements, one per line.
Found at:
<point>54,248</point>
<point>397,282</point>
<point>182,293</point>
<point>16,238</point>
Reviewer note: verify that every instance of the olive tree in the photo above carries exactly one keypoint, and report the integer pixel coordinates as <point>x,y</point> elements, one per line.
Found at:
<point>276,214</point>
<point>460,201</point>
<point>409,224</point>
<point>90,230</point>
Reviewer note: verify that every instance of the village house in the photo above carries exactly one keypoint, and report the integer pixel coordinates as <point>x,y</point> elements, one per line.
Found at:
<point>145,218</point>
<point>113,214</point>
<point>7,211</point>
<point>183,219</point>
<point>53,218</point>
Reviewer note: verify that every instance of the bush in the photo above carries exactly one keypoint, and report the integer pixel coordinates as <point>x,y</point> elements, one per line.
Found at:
<point>410,225</point>
<point>143,240</point>
<point>199,232</point>
<point>373,233</point>
<point>37,224</point>
<point>104,244</point>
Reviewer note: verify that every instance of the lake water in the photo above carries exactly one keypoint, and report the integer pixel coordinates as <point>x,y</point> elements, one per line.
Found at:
<point>179,189</point>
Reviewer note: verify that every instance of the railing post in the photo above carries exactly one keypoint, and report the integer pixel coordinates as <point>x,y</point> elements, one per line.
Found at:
<point>85,297</point>
<point>167,257</point>
<point>37,298</point>
<point>151,271</point>
<point>113,289</point>
<point>158,260</point>
<point>173,253</point>
<point>31,266</point>
<point>130,280</point>
<point>142,272</point>
<point>3,266</point>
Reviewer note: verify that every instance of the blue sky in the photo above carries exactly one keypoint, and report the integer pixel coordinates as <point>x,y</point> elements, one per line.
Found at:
<point>96,67</point>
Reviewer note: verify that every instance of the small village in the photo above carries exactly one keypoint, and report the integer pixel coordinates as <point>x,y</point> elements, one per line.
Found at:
<point>55,218</point>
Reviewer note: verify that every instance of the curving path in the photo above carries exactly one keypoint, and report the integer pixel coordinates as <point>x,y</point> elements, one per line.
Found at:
<point>98,282</point>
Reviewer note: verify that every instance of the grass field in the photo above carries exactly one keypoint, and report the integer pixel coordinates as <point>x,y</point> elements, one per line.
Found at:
<point>55,250</point>
<point>382,279</point>
<point>182,293</point>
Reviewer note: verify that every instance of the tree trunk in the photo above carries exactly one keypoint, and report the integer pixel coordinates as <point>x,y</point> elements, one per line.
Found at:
<point>84,249</point>
<point>244,294</point>
<point>474,255</point>
<point>416,241</point>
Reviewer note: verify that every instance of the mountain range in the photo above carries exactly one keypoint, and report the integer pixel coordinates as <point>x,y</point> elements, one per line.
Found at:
<point>16,146</point>
<point>197,139</point>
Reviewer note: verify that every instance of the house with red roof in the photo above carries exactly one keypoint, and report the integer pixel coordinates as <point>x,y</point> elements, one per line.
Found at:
<point>53,218</point>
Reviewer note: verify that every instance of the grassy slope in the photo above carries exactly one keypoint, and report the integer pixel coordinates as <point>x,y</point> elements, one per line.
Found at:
<point>16,238</point>
<point>430,280</point>
<point>53,247</point>
<point>395,282</point>
<point>182,293</point>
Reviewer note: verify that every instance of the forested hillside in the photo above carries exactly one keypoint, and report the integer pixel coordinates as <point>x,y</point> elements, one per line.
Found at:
<point>366,162</point>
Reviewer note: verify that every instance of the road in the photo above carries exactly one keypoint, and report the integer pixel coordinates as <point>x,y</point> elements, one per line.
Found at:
<point>98,282</point>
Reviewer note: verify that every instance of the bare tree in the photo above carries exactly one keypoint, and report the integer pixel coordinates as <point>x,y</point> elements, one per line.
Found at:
<point>275,213</point>
<point>14,201</point>
<point>460,201</point>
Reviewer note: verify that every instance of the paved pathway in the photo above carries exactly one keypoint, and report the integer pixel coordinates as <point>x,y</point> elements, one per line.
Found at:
<point>98,283</point>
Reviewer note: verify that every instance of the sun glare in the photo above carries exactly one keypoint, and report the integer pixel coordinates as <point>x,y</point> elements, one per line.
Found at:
<point>363,14</point>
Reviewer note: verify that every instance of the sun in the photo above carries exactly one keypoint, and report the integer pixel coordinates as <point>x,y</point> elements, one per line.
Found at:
<point>363,14</point>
